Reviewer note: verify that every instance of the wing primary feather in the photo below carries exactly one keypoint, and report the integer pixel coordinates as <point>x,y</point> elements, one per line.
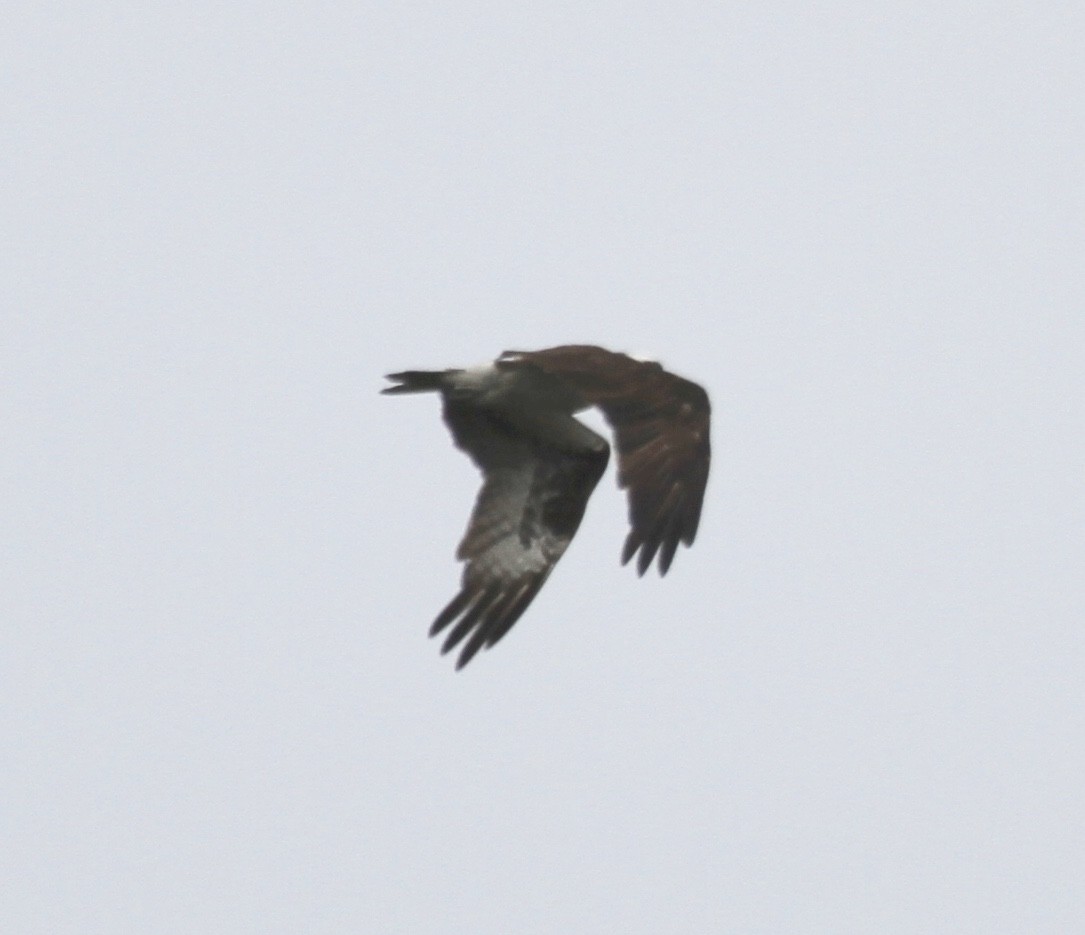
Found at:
<point>515,610</point>
<point>451,611</point>
<point>478,607</point>
<point>647,553</point>
<point>632,543</point>
<point>668,548</point>
<point>493,614</point>
<point>499,619</point>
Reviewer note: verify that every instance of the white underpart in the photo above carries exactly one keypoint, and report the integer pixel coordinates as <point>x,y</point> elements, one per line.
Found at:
<point>540,407</point>
<point>481,378</point>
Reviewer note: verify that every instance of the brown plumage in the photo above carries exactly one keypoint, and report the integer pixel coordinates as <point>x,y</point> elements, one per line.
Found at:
<point>540,465</point>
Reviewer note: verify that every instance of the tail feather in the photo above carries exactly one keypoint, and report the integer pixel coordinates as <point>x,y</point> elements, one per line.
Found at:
<point>417,381</point>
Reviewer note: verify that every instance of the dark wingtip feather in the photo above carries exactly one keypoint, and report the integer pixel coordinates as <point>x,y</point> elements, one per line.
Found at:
<point>471,647</point>
<point>662,542</point>
<point>475,614</point>
<point>457,633</point>
<point>514,611</point>
<point>666,554</point>
<point>692,521</point>
<point>632,543</point>
<point>498,618</point>
<point>647,553</point>
<point>450,613</point>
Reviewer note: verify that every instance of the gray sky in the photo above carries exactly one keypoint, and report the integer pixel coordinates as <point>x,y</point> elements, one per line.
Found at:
<point>855,706</point>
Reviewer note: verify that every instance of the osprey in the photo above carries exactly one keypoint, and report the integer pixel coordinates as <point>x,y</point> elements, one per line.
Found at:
<point>514,418</point>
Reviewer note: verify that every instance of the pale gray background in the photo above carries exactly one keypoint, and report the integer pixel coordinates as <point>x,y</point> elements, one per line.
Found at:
<point>856,706</point>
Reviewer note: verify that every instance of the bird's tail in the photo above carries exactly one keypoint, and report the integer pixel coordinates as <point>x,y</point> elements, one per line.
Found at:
<point>418,381</point>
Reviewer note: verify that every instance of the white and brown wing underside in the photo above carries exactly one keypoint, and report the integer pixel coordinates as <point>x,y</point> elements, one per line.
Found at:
<point>531,503</point>
<point>661,428</point>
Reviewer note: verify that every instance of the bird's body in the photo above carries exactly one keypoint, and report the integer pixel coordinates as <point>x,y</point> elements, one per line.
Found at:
<point>515,419</point>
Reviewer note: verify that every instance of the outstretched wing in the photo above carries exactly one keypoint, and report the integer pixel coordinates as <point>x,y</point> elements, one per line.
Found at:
<point>663,457</point>
<point>531,503</point>
<point>661,428</point>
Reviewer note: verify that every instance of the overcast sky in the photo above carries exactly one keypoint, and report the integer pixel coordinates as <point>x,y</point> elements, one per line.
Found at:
<point>856,705</point>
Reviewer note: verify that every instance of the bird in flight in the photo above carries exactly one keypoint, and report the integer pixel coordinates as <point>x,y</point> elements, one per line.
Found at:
<point>514,418</point>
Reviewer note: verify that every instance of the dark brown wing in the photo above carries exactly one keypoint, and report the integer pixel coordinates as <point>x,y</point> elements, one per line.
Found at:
<point>532,501</point>
<point>661,428</point>
<point>663,458</point>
